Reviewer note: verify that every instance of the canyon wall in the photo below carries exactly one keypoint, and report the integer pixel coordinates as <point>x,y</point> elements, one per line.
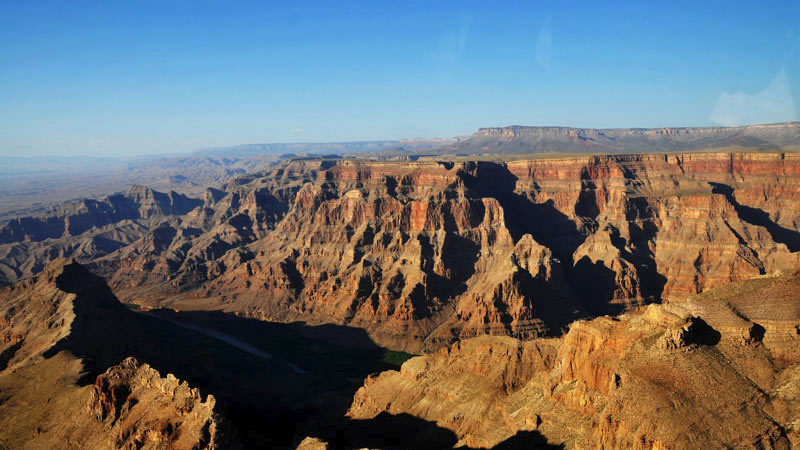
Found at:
<point>700,374</point>
<point>428,252</point>
<point>422,253</point>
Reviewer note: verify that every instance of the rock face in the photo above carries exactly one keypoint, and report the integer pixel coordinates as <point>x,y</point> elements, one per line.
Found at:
<point>521,139</point>
<point>422,253</point>
<point>47,325</point>
<point>408,250</point>
<point>662,378</point>
<point>140,409</point>
<point>493,269</point>
<point>85,229</point>
<point>74,219</point>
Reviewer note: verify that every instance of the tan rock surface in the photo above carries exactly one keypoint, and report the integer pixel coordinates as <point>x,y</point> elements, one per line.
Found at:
<point>662,378</point>
<point>43,400</point>
<point>427,252</point>
<point>140,409</point>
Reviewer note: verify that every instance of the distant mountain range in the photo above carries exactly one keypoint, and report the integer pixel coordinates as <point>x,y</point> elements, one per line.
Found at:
<point>517,139</point>
<point>417,144</point>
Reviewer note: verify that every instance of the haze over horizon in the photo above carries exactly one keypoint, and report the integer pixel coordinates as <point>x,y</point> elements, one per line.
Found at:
<point>124,80</point>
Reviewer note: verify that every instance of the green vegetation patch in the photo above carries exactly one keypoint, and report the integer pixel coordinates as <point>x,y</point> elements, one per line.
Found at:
<point>396,358</point>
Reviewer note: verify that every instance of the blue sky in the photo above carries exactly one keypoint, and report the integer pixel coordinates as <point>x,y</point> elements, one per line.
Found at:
<point>109,78</point>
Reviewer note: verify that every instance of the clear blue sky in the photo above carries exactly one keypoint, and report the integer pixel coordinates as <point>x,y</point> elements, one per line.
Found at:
<point>124,78</point>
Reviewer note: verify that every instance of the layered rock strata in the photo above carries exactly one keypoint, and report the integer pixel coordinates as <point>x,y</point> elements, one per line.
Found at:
<point>669,377</point>
<point>422,253</point>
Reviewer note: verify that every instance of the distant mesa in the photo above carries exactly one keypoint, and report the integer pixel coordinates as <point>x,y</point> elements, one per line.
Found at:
<point>522,139</point>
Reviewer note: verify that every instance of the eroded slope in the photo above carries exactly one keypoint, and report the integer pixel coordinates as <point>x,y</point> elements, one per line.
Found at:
<point>659,379</point>
<point>48,325</point>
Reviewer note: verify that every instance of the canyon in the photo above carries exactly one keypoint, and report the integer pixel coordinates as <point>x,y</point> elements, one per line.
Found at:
<point>544,295</point>
<point>717,369</point>
<point>399,226</point>
<point>78,369</point>
<point>421,254</point>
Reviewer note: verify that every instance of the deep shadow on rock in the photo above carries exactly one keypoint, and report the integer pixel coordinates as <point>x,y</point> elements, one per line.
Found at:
<point>592,283</point>
<point>288,380</point>
<point>7,354</point>
<point>701,332</point>
<point>403,431</point>
<point>527,440</point>
<point>758,217</point>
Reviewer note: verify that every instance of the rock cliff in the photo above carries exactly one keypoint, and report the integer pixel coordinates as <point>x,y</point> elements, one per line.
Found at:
<point>422,253</point>
<point>667,377</point>
<point>140,409</point>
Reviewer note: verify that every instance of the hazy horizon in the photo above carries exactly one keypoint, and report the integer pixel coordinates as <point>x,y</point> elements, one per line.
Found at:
<point>84,79</point>
<point>189,151</point>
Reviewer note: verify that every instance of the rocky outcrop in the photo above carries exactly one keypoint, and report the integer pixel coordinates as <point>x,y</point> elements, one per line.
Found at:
<point>57,332</point>
<point>661,378</point>
<point>762,311</point>
<point>140,409</point>
<point>311,443</point>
